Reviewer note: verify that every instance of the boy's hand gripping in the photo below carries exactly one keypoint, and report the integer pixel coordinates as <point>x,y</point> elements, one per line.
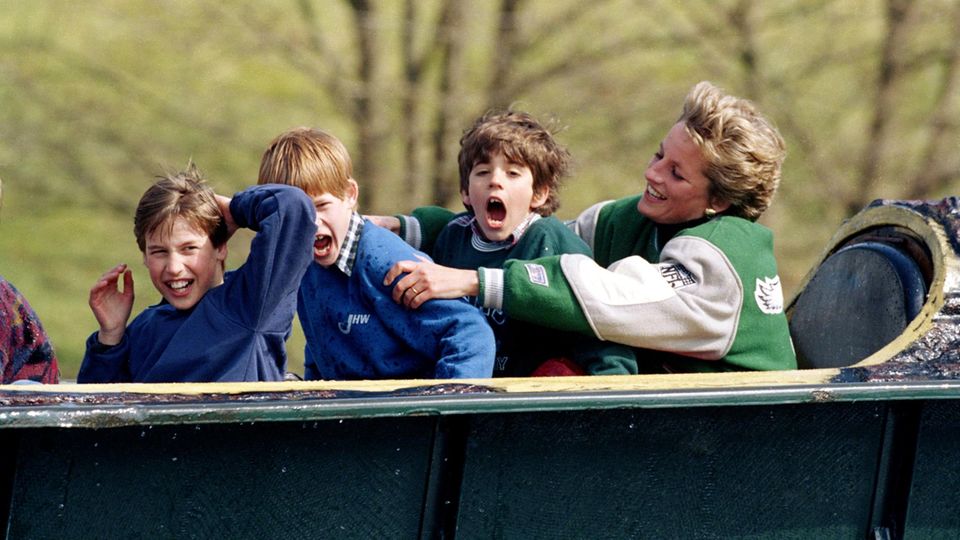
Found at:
<point>111,306</point>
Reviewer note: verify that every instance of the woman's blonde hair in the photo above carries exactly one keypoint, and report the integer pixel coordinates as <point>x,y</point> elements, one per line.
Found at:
<point>743,150</point>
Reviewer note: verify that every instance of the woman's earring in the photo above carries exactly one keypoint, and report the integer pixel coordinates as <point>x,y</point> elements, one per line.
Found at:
<point>710,212</point>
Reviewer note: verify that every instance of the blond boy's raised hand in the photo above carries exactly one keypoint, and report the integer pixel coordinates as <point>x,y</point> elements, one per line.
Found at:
<point>112,306</point>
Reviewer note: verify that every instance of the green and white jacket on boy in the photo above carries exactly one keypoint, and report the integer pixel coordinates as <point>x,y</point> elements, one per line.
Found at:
<point>703,296</point>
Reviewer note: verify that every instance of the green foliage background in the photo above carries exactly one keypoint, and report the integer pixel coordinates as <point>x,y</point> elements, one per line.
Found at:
<point>98,97</point>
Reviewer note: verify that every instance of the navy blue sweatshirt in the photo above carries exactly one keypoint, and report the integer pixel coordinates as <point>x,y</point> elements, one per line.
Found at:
<point>236,332</point>
<point>355,330</point>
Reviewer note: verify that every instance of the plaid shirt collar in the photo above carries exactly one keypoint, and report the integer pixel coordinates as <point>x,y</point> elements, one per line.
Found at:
<point>351,243</point>
<point>480,243</point>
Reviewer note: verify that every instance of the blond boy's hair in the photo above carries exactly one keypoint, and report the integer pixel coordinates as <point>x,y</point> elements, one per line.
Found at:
<point>308,158</point>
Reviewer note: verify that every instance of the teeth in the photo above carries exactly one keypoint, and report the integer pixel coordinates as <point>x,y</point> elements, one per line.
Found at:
<point>654,193</point>
<point>179,284</point>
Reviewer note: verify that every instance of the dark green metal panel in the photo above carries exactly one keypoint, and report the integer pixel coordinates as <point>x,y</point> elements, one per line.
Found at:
<point>792,462</point>
<point>727,472</point>
<point>348,479</point>
<point>934,504</point>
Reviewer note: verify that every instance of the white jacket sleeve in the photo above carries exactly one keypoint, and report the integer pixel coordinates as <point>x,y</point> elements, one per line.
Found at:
<point>585,225</point>
<point>689,303</point>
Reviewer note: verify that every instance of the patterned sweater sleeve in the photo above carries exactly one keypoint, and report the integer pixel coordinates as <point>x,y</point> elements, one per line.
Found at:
<point>25,349</point>
<point>453,332</point>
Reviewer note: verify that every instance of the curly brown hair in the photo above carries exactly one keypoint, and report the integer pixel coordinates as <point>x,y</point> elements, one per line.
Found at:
<point>522,140</point>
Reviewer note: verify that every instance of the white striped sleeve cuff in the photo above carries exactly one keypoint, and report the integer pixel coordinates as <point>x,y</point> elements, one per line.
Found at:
<point>412,234</point>
<point>491,290</point>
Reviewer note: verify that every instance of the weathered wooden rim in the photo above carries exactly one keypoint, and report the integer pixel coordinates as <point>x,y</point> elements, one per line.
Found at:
<point>282,408</point>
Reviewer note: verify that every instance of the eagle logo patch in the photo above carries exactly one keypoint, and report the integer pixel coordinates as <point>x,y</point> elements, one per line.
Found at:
<point>769,295</point>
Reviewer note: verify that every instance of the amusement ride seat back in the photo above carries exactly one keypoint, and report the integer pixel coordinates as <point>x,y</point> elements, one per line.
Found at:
<point>862,297</point>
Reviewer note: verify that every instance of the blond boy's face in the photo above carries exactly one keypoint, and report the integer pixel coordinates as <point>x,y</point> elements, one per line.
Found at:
<point>183,265</point>
<point>333,220</point>
<point>501,195</point>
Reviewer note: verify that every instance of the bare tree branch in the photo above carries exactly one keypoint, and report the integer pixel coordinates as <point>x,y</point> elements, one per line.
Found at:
<point>413,72</point>
<point>370,128</point>
<point>452,58</point>
<point>884,102</point>
<point>942,123</point>
<point>416,105</point>
<point>505,46</point>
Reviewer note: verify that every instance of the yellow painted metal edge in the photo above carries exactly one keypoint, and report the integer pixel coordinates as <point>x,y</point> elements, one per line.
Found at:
<point>507,385</point>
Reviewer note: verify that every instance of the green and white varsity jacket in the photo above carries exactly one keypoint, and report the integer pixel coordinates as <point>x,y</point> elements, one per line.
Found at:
<point>709,296</point>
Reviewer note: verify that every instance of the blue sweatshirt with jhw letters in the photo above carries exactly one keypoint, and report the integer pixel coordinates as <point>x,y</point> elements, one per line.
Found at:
<point>355,330</point>
<point>236,332</point>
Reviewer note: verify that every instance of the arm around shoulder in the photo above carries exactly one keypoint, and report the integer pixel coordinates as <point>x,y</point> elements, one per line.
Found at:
<point>423,226</point>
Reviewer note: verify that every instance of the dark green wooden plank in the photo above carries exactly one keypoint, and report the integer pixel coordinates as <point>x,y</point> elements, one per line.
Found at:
<point>934,505</point>
<point>349,479</point>
<point>735,472</point>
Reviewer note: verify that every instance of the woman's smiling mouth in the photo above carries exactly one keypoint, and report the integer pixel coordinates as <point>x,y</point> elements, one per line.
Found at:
<point>655,194</point>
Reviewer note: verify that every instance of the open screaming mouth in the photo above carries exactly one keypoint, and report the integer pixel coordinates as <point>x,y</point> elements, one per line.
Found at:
<point>322,245</point>
<point>496,211</point>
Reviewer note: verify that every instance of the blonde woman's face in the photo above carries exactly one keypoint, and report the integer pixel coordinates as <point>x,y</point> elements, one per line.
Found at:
<point>677,190</point>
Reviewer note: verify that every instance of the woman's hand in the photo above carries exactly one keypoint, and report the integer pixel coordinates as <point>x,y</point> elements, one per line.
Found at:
<point>425,280</point>
<point>111,306</point>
